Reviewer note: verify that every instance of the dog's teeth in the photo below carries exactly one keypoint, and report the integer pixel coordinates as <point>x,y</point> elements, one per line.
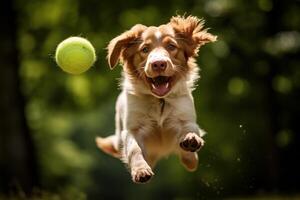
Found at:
<point>167,85</point>
<point>153,85</point>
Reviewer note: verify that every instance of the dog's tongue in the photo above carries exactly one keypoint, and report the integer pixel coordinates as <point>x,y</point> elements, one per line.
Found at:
<point>160,89</point>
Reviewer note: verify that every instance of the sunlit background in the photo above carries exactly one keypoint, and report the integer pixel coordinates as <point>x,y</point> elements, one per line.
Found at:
<point>247,100</point>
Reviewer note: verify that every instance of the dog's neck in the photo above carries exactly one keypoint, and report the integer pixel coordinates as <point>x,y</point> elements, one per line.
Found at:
<point>162,105</point>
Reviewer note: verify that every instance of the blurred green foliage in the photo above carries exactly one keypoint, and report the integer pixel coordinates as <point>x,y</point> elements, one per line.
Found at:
<point>252,65</point>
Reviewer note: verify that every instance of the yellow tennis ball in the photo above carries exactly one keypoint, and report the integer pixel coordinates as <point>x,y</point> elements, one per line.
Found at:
<point>75,55</point>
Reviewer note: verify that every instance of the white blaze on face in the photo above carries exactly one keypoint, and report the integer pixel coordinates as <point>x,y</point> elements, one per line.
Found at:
<point>158,35</point>
<point>157,55</point>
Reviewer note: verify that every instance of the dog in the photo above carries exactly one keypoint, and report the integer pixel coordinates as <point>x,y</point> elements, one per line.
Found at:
<point>155,113</point>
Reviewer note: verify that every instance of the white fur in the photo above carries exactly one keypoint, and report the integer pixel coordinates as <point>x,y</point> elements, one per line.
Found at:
<point>149,127</point>
<point>158,35</point>
<point>157,132</point>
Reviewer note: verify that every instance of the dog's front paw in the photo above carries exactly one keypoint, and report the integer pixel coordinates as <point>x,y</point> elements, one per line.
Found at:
<point>191,142</point>
<point>141,174</point>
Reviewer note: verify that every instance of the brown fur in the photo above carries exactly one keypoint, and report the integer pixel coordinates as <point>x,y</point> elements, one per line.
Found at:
<point>155,113</point>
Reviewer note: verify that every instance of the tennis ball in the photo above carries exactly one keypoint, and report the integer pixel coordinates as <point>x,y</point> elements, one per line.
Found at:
<point>75,55</point>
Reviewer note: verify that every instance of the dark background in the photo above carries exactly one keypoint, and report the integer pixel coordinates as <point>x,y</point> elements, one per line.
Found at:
<point>247,100</point>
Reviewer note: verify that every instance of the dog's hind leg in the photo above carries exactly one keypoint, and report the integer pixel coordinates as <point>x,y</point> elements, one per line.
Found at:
<point>109,145</point>
<point>189,160</point>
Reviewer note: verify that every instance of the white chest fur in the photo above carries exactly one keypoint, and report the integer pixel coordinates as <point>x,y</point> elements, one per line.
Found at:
<point>158,122</point>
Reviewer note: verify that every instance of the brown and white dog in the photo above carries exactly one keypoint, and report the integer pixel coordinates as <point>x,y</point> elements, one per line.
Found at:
<point>155,113</point>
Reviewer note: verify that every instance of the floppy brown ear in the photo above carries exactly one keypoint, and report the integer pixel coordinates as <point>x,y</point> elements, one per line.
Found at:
<point>121,42</point>
<point>190,31</point>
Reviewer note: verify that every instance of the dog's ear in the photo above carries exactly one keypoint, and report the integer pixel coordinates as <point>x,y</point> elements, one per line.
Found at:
<point>189,31</point>
<point>120,43</point>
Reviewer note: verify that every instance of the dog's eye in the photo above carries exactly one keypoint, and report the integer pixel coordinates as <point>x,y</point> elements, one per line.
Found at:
<point>171,47</point>
<point>145,50</point>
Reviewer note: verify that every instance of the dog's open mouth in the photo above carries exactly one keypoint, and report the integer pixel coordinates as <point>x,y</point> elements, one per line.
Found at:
<point>160,85</point>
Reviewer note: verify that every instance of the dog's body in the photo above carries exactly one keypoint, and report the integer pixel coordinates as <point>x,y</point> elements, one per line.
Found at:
<point>155,113</point>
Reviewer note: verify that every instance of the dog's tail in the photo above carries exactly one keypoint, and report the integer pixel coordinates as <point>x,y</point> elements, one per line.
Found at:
<point>109,145</point>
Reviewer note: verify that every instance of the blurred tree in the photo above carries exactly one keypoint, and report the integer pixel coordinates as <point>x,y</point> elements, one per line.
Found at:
<point>247,99</point>
<point>18,168</point>
<point>282,64</point>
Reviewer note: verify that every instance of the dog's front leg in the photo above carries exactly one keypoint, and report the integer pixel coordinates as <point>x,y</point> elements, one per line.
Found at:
<point>190,141</point>
<point>191,137</point>
<point>134,157</point>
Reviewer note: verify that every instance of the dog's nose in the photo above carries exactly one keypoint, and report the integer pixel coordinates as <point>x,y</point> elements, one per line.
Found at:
<point>159,65</point>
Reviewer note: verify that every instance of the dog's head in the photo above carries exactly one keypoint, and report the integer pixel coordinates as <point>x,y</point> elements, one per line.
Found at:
<point>159,57</point>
